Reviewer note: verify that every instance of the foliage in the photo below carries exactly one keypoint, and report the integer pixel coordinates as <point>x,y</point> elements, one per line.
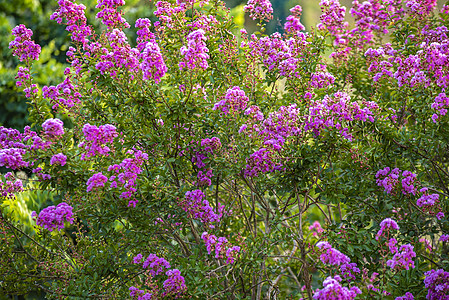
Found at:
<point>202,162</point>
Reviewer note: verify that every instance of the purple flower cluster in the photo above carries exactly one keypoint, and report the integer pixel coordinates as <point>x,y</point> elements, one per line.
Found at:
<point>276,53</point>
<point>53,128</point>
<point>403,258</point>
<point>135,293</point>
<point>96,139</point>
<point>385,227</point>
<point>120,56</point>
<point>199,208</point>
<point>321,80</point>
<point>23,76</point>
<point>58,159</point>
<point>153,65</point>
<point>390,180</point>
<point>65,94</point>
<point>293,22</point>
<point>109,15</point>
<point>153,263</point>
<point>333,290</point>
<point>334,111</point>
<point>221,246</point>
<point>175,284</point>
<point>126,174</point>
<point>211,144</point>
<point>333,17</point>
<point>96,181</point>
<point>12,158</point>
<point>437,283</point>
<point>331,255</point>
<point>259,9</point>
<point>421,7</point>
<point>428,65</point>
<point>261,161</point>
<point>374,16</point>
<point>76,20</point>
<point>10,186</point>
<point>441,104</point>
<point>430,203</point>
<point>53,217</point>
<point>444,238</point>
<point>195,53</point>
<point>407,296</point>
<point>23,47</point>
<point>235,100</point>
<point>143,34</point>
<point>165,11</point>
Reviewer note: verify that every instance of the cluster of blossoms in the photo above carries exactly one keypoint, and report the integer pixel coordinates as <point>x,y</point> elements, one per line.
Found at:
<point>96,139</point>
<point>430,203</point>
<point>153,263</point>
<point>174,285</point>
<point>165,11</point>
<point>65,94</point>
<point>208,146</point>
<point>333,257</point>
<point>199,208</point>
<point>332,289</point>
<point>135,293</point>
<point>444,238</point>
<point>54,216</point>
<point>119,56</point>
<point>429,65</point>
<point>23,47</point>
<point>109,15</point>
<point>53,128</point>
<point>235,100</point>
<point>195,53</point>
<point>96,181</point>
<point>15,145</point>
<point>274,129</point>
<point>293,22</point>
<point>421,7</point>
<point>277,54</point>
<point>259,9</point>
<point>221,246</point>
<point>58,159</point>
<point>13,158</point>
<point>407,296</point>
<point>152,65</point>
<point>320,80</point>
<point>10,186</point>
<point>126,174</point>
<point>333,17</point>
<point>385,226</point>
<point>437,283</point>
<point>76,20</point>
<point>261,161</point>
<point>403,258</point>
<point>441,104</point>
<point>334,111</point>
<point>316,228</point>
<point>389,180</point>
<point>374,16</point>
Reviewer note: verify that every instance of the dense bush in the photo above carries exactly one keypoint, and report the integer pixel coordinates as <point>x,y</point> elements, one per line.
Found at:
<point>208,163</point>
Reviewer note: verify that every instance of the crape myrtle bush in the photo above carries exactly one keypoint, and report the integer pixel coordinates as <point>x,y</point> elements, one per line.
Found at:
<point>209,163</point>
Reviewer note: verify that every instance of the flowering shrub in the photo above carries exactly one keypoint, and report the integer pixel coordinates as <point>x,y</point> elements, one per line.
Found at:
<point>309,165</point>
